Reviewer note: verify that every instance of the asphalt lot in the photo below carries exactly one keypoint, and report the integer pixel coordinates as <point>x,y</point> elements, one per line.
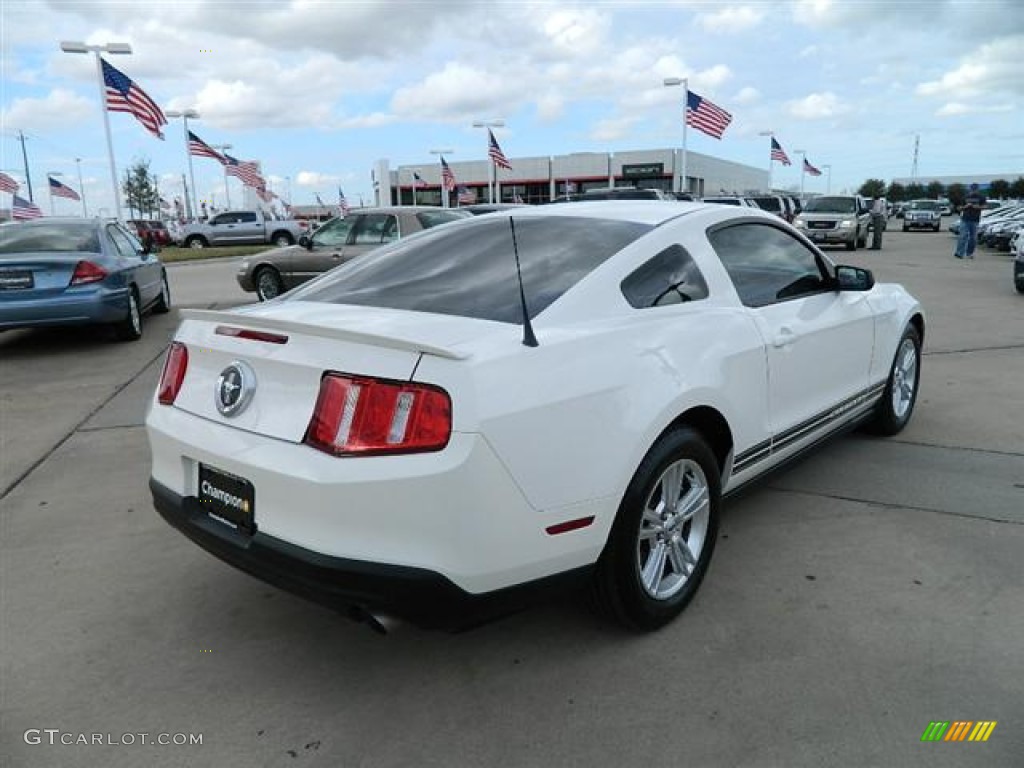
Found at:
<point>853,598</point>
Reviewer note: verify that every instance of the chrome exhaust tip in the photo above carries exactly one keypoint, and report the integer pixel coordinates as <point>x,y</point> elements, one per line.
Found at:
<point>381,623</point>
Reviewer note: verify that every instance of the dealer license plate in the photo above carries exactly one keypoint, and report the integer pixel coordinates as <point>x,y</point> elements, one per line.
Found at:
<point>226,497</point>
<point>16,280</point>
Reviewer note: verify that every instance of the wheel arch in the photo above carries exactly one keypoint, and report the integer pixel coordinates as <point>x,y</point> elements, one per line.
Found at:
<point>282,232</point>
<point>712,426</point>
<point>917,320</point>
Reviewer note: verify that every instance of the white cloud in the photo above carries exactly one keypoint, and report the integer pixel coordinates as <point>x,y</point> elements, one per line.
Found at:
<point>993,68</point>
<point>731,19</point>
<point>61,109</point>
<point>747,95</point>
<point>613,129</point>
<point>456,93</point>
<point>314,179</point>
<point>955,109</point>
<point>817,106</point>
<point>581,32</point>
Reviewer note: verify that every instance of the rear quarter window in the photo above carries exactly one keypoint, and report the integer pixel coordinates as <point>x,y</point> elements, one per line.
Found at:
<point>469,269</point>
<point>671,277</point>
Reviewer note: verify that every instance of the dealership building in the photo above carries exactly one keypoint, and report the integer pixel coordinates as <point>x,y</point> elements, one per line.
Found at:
<point>543,179</point>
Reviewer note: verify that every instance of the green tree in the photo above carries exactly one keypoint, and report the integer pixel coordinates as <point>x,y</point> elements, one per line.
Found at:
<point>956,193</point>
<point>999,189</point>
<point>897,193</point>
<point>872,188</point>
<point>1017,188</point>
<point>139,187</point>
<point>934,190</point>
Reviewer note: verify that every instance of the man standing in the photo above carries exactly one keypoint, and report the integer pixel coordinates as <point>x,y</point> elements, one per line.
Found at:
<point>878,220</point>
<point>970,215</point>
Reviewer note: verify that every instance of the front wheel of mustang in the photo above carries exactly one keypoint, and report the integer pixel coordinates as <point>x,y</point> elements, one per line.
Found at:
<point>664,534</point>
<point>897,404</point>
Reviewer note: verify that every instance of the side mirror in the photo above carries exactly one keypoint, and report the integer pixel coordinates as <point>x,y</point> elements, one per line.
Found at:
<point>854,279</point>
<point>306,242</point>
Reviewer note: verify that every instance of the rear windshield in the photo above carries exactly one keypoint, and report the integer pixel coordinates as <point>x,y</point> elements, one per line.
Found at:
<point>49,236</point>
<point>469,268</point>
<point>769,203</point>
<point>830,205</point>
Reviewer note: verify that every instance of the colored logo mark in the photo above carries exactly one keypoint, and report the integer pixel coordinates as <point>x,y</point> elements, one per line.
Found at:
<point>958,730</point>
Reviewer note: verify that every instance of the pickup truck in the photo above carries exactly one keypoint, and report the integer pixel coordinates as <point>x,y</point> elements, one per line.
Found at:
<point>241,228</point>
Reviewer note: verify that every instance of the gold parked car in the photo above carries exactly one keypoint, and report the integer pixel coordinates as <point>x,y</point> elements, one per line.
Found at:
<point>338,240</point>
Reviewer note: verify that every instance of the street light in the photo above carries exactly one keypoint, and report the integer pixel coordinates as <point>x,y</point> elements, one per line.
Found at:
<point>669,82</point>
<point>803,165</point>
<point>492,171</point>
<point>772,134</point>
<point>444,189</point>
<point>222,148</point>
<point>185,115</point>
<point>81,188</point>
<point>73,46</point>
<point>828,182</point>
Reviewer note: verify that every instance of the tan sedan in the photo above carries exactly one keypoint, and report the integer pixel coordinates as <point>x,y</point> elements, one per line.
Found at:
<point>273,272</point>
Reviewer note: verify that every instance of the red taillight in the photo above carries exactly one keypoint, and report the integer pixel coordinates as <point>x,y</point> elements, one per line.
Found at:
<point>173,374</point>
<point>355,415</point>
<point>87,272</point>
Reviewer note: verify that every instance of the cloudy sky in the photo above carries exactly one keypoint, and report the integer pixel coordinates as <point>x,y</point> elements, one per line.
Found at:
<point>317,91</point>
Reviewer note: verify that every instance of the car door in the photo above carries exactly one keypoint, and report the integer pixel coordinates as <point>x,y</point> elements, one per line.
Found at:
<point>249,228</point>
<point>370,231</point>
<point>222,228</point>
<point>143,270</point>
<point>328,249</point>
<point>818,340</point>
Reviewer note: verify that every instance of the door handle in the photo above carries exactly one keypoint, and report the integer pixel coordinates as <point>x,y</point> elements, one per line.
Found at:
<point>335,255</point>
<point>784,337</point>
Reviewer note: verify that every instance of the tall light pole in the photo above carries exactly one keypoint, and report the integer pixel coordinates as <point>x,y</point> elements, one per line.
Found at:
<point>81,188</point>
<point>669,82</point>
<point>803,165</point>
<point>828,182</point>
<point>444,189</point>
<point>222,148</point>
<point>770,134</point>
<point>49,188</point>
<point>185,115</point>
<point>492,171</point>
<point>288,188</point>
<point>73,46</point>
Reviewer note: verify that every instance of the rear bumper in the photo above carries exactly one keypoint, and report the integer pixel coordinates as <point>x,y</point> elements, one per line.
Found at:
<point>422,597</point>
<point>69,308</point>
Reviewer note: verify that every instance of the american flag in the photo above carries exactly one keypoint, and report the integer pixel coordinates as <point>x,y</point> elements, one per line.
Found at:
<point>62,190</point>
<point>467,196</point>
<point>810,169</point>
<point>495,153</point>
<point>122,95</point>
<point>705,116</point>
<point>22,209</point>
<point>447,177</point>
<point>264,194</point>
<point>247,171</point>
<point>343,208</point>
<point>7,184</point>
<point>417,180</point>
<point>778,153</point>
<point>200,148</point>
<point>319,201</point>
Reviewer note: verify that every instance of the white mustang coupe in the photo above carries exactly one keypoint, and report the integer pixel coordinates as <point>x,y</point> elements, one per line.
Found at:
<point>445,426</point>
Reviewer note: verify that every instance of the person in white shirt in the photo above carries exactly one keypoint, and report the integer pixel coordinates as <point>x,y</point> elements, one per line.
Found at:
<point>878,219</point>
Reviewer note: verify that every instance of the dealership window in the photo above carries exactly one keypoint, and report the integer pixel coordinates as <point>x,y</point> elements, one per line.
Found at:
<point>768,265</point>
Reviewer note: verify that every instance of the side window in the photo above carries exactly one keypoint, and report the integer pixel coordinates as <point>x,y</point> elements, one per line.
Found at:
<point>122,244</point>
<point>221,219</point>
<point>372,228</point>
<point>334,233</point>
<point>247,218</point>
<point>768,265</point>
<point>390,230</point>
<point>671,277</point>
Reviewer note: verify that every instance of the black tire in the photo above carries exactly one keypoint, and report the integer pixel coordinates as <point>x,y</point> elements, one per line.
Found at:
<point>935,229</point>
<point>906,228</point>
<point>163,302</point>
<point>852,245</point>
<point>196,241</point>
<point>889,418</point>
<point>268,283</point>
<point>130,328</point>
<point>620,589</point>
<point>1019,285</point>
<point>282,239</point>
<point>863,242</point>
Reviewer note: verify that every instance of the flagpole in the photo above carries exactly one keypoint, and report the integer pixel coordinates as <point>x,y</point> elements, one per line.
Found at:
<point>81,188</point>
<point>803,170</point>
<point>112,48</point>
<point>771,137</point>
<point>685,82</point>
<point>49,191</point>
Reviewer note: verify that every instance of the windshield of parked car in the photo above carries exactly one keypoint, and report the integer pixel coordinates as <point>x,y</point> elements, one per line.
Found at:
<point>430,219</point>
<point>925,205</point>
<point>469,268</point>
<point>830,205</point>
<point>49,236</point>
<point>333,233</point>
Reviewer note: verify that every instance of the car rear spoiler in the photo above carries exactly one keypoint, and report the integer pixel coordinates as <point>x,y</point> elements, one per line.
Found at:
<point>341,334</point>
